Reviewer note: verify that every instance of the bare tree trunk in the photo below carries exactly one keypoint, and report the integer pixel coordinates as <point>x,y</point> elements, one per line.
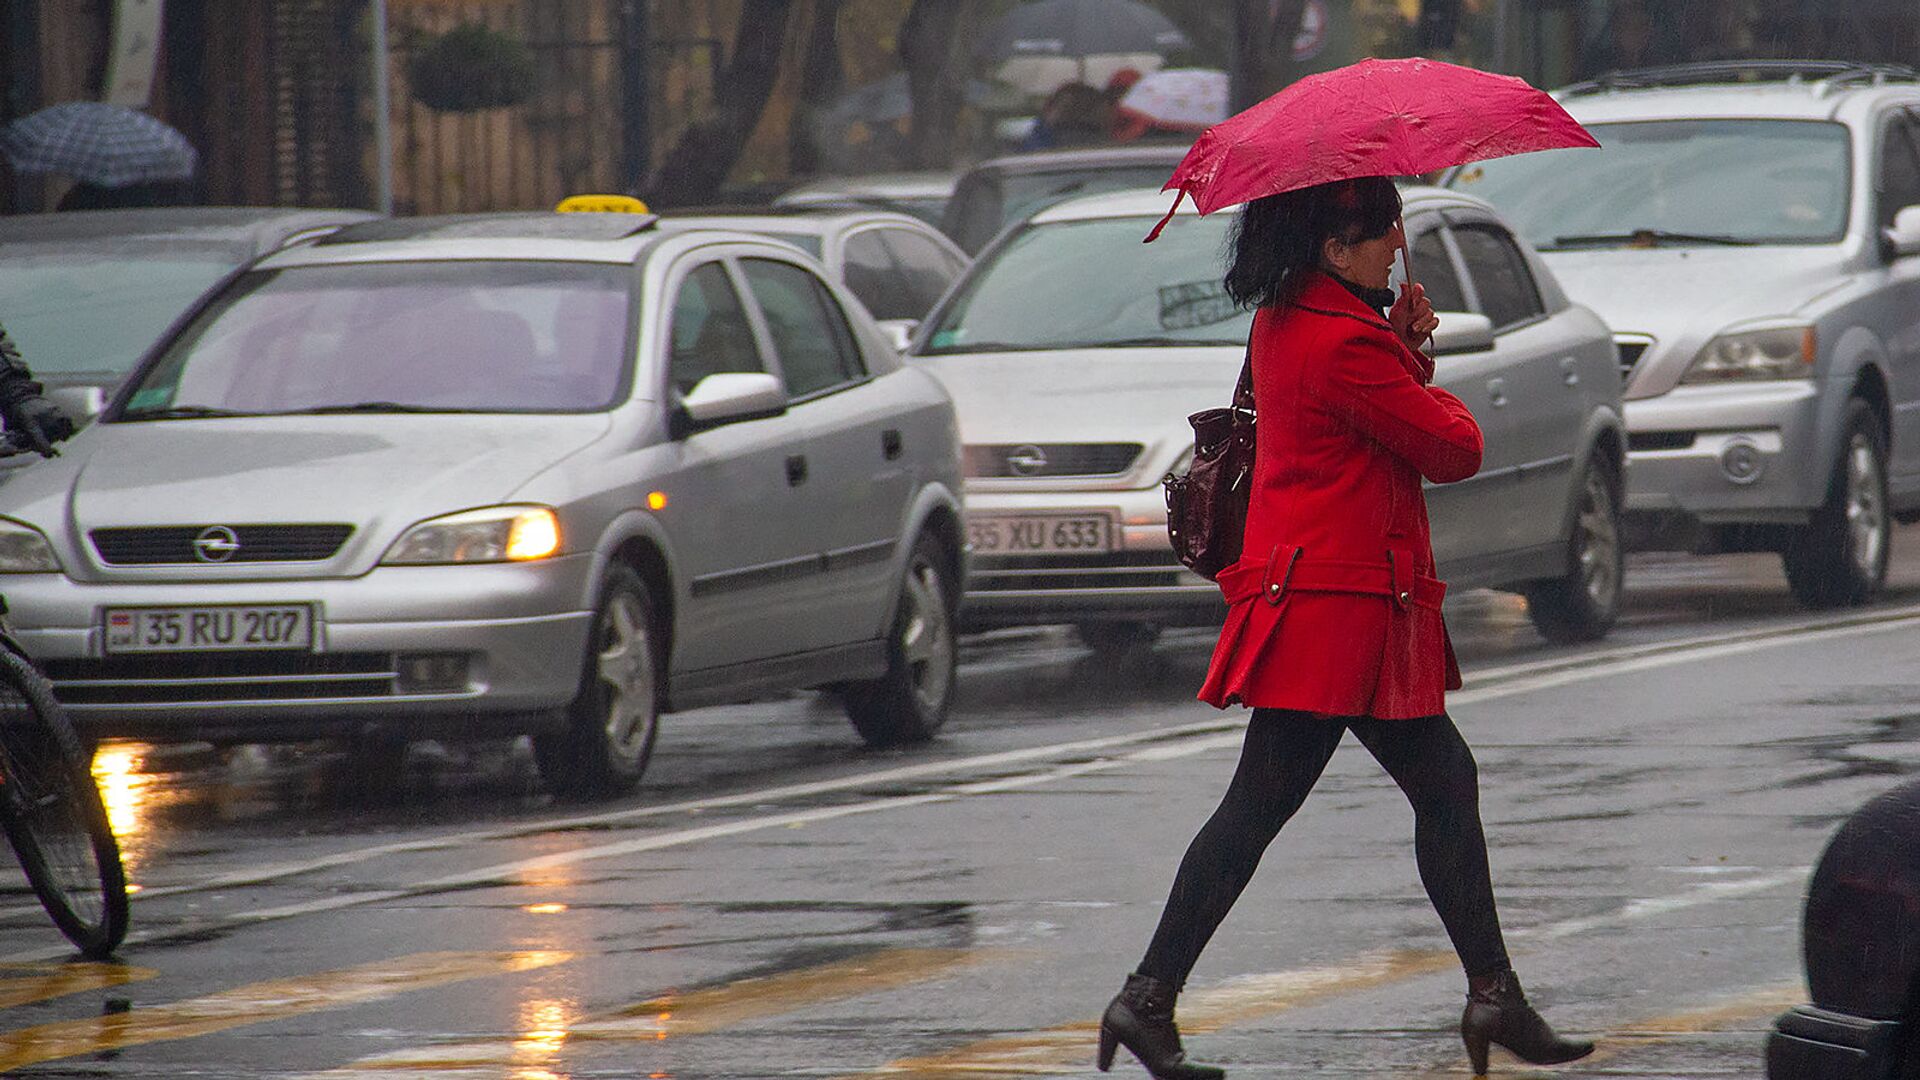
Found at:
<point>1263,53</point>
<point>821,81</point>
<point>699,162</point>
<point>928,52</point>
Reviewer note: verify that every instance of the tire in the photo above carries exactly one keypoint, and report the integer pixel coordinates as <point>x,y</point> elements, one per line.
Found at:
<point>51,811</point>
<point>909,703</point>
<point>1117,638</point>
<point>1839,559</point>
<point>1583,604</point>
<point>614,720</point>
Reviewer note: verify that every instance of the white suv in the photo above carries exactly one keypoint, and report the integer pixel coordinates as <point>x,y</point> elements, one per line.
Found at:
<point>1750,231</point>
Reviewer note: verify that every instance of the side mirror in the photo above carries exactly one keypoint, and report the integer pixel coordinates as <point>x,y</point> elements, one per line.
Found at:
<point>1462,332</point>
<point>82,403</point>
<point>1903,236</point>
<point>899,332</point>
<point>733,396</point>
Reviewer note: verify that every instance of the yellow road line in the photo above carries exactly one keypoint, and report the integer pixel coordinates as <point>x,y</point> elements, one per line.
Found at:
<point>260,1002</point>
<point>24,983</point>
<point>668,1016</point>
<point>1249,997</point>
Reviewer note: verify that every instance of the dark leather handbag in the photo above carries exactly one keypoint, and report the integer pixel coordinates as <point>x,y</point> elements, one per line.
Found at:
<point>1207,508</point>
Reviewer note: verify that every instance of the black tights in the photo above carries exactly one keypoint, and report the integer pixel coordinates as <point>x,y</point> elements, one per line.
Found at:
<point>1283,757</point>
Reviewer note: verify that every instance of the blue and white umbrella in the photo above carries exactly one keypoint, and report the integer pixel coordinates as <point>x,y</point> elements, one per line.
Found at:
<point>96,143</point>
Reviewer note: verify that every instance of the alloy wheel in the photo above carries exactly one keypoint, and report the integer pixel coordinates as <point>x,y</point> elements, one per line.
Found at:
<point>925,640</point>
<point>625,669</point>
<point>1599,553</point>
<point>1866,513</point>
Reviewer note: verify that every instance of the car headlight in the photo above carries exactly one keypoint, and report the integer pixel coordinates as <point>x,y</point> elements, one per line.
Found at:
<point>25,550</point>
<point>492,534</point>
<point>1770,351</point>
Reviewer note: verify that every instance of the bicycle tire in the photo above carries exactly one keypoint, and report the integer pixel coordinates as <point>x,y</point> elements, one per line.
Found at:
<point>52,814</point>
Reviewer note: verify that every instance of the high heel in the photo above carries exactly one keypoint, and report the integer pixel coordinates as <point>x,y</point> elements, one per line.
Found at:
<point>1140,1018</point>
<point>1498,1014</point>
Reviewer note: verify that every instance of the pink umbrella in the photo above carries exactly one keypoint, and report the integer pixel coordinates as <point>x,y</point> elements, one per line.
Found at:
<point>1373,118</point>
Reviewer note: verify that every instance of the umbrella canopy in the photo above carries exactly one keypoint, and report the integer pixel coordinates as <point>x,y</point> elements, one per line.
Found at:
<point>1076,28</point>
<point>1188,99</point>
<point>888,99</point>
<point>105,145</point>
<point>1044,45</point>
<point>1373,118</point>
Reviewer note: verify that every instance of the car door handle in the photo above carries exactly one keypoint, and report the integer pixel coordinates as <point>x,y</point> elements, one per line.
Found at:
<point>797,470</point>
<point>891,444</point>
<point>1570,371</point>
<point>1497,391</point>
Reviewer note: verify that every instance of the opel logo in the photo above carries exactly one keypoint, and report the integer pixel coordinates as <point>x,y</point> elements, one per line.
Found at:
<point>215,544</point>
<point>1027,460</point>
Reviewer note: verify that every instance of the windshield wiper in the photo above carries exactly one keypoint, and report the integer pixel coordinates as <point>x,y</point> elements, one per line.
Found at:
<point>1124,343</point>
<point>372,407</point>
<point>183,412</point>
<point>1651,237</point>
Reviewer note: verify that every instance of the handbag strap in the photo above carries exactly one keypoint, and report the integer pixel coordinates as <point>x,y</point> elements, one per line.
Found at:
<point>1243,390</point>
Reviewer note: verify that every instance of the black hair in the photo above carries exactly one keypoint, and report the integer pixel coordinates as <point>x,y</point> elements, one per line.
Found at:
<point>1281,235</point>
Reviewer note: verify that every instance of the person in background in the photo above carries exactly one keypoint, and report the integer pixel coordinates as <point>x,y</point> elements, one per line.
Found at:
<point>23,402</point>
<point>1074,115</point>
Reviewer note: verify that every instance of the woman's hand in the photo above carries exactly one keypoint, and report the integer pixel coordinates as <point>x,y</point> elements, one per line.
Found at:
<point>1412,316</point>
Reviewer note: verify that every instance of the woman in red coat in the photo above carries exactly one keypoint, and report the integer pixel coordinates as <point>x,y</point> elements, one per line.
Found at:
<point>1333,619</point>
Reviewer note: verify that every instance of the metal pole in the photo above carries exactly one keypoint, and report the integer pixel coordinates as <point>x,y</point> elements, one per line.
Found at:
<point>1502,26</point>
<point>382,113</point>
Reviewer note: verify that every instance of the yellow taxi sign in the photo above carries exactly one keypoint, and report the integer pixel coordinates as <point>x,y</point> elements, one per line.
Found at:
<point>601,204</point>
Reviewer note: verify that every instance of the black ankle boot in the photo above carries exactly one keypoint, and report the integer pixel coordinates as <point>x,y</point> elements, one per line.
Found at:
<point>1497,1012</point>
<point>1140,1018</point>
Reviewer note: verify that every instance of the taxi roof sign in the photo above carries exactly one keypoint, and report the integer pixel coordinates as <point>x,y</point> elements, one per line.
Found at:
<point>601,204</point>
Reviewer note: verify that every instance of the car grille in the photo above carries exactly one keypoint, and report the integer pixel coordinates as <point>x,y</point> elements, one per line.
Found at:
<point>1632,347</point>
<point>1660,440</point>
<point>164,545</point>
<point>1024,460</point>
<point>1118,570</point>
<point>221,677</point>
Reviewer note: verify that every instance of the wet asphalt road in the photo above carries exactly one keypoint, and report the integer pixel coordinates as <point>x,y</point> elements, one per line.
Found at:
<point>777,901</point>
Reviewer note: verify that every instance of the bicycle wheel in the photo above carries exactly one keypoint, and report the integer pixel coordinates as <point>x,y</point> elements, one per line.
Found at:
<point>51,811</point>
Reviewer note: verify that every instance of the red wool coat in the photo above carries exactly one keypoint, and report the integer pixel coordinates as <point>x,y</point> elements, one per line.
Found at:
<point>1334,608</point>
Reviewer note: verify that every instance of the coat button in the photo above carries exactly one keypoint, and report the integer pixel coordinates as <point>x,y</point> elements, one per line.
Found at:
<point>1273,588</point>
<point>1405,597</point>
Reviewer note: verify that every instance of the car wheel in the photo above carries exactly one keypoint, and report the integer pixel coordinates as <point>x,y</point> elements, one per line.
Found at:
<point>909,703</point>
<point>1839,559</point>
<point>1117,638</point>
<point>1583,604</point>
<point>612,723</point>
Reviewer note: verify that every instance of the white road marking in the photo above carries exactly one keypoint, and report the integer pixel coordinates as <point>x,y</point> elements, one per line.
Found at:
<point>1161,744</point>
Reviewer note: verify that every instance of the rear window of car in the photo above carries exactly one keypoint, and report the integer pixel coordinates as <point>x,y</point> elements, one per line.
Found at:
<point>1680,182</point>
<point>54,299</point>
<point>1093,284</point>
<point>456,336</point>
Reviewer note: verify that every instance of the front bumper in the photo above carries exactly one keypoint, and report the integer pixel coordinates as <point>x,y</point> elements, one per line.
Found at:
<point>1719,455</point>
<point>1138,579</point>
<point>504,644</point>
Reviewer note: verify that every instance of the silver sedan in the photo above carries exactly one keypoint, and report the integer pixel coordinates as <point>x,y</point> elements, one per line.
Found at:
<point>522,473</point>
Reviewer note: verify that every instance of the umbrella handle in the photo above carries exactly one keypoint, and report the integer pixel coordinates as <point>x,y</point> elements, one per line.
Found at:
<point>1406,268</point>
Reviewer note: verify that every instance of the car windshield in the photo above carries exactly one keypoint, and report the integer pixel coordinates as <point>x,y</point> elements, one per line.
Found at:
<point>481,336</point>
<point>1077,284</point>
<point>1677,181</point>
<point>90,309</point>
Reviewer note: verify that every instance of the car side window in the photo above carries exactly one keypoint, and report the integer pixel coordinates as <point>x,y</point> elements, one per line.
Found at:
<point>1899,168</point>
<point>810,333</point>
<point>709,332</point>
<point>926,268</point>
<point>1500,274</point>
<point>1433,268</point>
<point>874,275</point>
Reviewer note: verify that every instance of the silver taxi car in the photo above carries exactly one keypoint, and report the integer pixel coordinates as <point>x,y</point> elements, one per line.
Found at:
<point>1751,230</point>
<point>1075,354</point>
<point>545,473</point>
